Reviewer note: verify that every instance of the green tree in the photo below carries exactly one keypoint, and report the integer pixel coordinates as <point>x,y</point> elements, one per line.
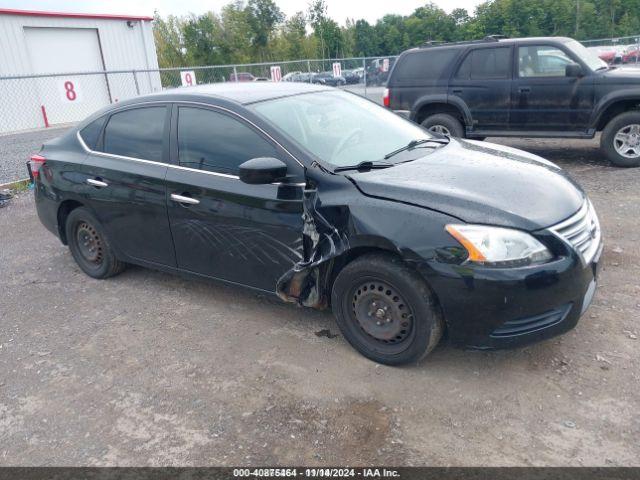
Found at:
<point>263,16</point>
<point>168,39</point>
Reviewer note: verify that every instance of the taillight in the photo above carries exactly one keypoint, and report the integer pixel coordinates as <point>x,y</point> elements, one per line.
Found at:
<point>36,162</point>
<point>385,97</point>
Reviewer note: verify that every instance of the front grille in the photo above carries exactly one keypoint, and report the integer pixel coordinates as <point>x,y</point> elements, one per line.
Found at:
<point>581,231</point>
<point>532,324</point>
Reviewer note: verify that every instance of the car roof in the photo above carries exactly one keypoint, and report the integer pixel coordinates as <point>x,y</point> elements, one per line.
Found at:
<point>243,92</point>
<point>488,42</point>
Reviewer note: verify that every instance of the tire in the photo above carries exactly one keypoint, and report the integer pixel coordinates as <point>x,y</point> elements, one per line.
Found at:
<point>445,124</point>
<point>612,145</point>
<point>410,325</point>
<point>94,255</point>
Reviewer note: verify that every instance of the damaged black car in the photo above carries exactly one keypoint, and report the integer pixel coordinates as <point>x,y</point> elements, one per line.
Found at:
<point>329,201</point>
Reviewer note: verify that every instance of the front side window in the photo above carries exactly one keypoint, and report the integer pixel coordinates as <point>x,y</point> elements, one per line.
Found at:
<point>216,142</point>
<point>542,61</point>
<point>342,128</point>
<point>486,63</point>
<point>136,133</point>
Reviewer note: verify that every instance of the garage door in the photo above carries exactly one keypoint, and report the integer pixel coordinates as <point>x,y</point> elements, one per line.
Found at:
<point>68,98</point>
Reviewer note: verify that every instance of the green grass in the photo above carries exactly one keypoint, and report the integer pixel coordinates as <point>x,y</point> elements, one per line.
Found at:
<point>22,186</point>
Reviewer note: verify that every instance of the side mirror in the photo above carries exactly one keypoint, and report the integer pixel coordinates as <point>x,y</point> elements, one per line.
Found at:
<point>262,171</point>
<point>573,70</point>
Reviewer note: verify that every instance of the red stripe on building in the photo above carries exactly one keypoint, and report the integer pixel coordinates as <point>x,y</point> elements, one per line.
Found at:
<point>103,16</point>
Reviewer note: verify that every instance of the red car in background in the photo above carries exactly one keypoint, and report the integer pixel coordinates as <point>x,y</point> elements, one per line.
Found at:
<point>242,77</point>
<point>631,56</point>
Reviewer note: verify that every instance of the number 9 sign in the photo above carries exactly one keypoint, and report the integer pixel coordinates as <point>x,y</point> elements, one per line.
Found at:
<point>70,91</point>
<point>188,78</point>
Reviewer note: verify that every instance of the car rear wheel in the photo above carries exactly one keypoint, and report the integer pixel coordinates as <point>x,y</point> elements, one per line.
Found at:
<point>385,310</point>
<point>89,245</point>
<point>444,124</point>
<point>620,140</point>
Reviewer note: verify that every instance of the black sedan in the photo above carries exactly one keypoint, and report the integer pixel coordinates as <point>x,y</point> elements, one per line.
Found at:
<point>327,200</point>
<point>328,78</point>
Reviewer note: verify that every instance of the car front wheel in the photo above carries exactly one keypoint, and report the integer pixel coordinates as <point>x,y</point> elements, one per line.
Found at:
<point>385,310</point>
<point>89,245</point>
<point>620,140</point>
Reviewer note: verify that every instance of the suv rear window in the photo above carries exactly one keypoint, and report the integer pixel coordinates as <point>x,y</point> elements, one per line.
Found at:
<point>486,63</point>
<point>424,64</point>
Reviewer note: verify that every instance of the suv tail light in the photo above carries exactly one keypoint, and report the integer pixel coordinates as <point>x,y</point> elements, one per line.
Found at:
<point>35,163</point>
<point>385,98</point>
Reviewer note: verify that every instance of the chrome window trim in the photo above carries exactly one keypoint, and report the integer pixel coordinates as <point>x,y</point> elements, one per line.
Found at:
<point>151,162</point>
<point>170,165</point>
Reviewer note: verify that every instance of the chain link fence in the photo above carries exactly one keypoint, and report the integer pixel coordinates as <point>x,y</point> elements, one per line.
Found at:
<point>45,100</point>
<point>37,101</point>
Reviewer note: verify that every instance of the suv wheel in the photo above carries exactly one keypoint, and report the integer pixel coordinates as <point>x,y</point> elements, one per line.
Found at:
<point>444,124</point>
<point>89,245</point>
<point>620,140</point>
<point>385,310</point>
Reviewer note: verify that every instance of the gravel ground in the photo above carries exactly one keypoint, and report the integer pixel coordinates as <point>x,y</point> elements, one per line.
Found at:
<point>152,369</point>
<point>17,148</point>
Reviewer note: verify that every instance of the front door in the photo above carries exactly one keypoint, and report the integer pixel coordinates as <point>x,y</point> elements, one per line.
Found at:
<point>543,97</point>
<point>483,82</point>
<point>124,183</point>
<point>222,227</point>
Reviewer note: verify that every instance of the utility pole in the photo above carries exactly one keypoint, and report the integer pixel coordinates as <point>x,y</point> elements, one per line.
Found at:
<point>577,17</point>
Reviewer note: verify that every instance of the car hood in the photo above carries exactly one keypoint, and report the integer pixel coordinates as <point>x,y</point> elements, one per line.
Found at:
<point>480,182</point>
<point>624,75</point>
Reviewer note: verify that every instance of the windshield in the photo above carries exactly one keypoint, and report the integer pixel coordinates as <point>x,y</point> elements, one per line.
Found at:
<point>587,56</point>
<point>341,128</point>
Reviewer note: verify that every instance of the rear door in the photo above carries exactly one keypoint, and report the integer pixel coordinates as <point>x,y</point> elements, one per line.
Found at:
<point>124,182</point>
<point>483,82</point>
<point>543,97</point>
<point>222,227</point>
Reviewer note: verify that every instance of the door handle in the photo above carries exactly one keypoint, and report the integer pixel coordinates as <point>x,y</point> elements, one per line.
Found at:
<point>524,89</point>
<point>456,90</point>
<point>182,199</point>
<point>97,183</point>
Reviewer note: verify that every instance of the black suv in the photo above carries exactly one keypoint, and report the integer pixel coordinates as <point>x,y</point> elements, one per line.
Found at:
<point>526,87</point>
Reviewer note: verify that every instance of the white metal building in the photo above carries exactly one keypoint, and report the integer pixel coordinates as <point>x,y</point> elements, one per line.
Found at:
<point>41,43</point>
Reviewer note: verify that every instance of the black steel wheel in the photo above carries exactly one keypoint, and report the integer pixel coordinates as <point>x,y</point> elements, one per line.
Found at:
<point>89,245</point>
<point>385,310</point>
<point>382,314</point>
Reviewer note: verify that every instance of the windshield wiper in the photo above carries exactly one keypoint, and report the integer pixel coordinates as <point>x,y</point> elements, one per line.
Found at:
<point>366,165</point>
<point>414,143</point>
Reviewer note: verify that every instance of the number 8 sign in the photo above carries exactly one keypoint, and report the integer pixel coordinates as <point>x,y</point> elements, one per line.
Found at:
<point>70,90</point>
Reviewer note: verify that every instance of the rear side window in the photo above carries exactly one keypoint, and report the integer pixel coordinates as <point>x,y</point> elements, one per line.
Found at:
<point>136,133</point>
<point>424,64</point>
<point>216,142</point>
<point>486,63</point>
<point>91,132</point>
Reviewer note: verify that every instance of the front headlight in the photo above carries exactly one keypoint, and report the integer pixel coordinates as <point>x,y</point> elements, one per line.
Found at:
<point>500,247</point>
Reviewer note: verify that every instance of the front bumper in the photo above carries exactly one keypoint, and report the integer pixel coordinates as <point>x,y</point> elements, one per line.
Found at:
<point>500,308</point>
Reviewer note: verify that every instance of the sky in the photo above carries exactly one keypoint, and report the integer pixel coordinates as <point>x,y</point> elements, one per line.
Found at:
<point>339,10</point>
